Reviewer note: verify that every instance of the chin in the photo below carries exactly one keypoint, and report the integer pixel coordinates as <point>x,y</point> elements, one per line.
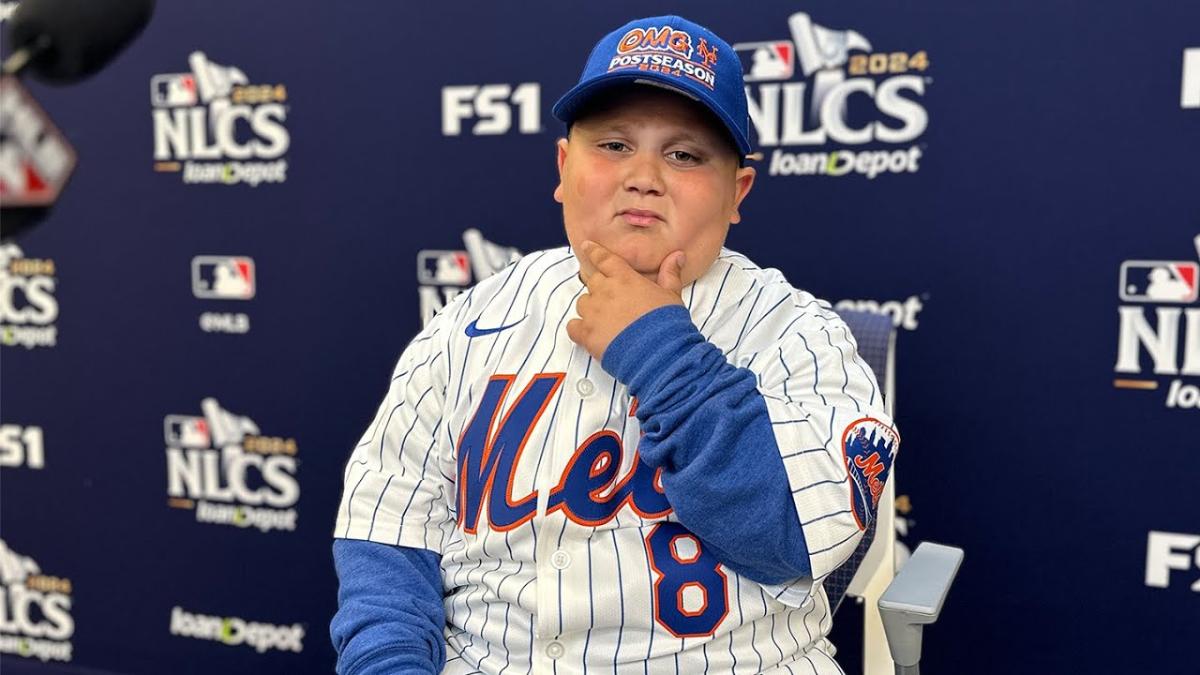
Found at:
<point>640,257</point>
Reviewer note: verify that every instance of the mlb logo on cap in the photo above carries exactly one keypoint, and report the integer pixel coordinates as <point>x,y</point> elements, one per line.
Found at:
<point>1159,281</point>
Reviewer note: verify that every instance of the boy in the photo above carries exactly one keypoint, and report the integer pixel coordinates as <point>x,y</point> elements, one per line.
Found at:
<point>639,450</point>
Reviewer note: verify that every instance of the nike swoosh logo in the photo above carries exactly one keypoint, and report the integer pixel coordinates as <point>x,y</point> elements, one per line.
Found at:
<point>474,331</point>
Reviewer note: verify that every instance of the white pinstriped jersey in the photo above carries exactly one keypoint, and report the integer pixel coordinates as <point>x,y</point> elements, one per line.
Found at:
<point>496,446</point>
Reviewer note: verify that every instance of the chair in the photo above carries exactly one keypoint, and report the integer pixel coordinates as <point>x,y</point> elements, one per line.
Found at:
<point>896,606</point>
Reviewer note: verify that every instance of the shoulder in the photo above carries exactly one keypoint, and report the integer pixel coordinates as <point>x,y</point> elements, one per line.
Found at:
<point>767,285</point>
<point>753,306</point>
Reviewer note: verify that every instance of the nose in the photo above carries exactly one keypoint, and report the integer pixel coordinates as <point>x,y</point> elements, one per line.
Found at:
<point>644,174</point>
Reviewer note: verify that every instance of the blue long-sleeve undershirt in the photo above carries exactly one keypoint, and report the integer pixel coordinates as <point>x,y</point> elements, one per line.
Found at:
<point>705,424</point>
<point>390,614</point>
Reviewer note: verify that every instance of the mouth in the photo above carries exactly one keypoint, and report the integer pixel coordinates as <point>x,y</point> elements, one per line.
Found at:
<point>640,217</point>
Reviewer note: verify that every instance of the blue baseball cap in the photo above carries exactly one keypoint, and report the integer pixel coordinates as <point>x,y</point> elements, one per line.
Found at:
<point>673,53</point>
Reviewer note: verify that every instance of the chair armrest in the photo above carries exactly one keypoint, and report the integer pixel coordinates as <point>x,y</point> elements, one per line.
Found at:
<point>915,598</point>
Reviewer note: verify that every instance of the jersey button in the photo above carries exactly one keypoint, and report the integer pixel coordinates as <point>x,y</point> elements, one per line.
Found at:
<point>561,560</point>
<point>555,650</point>
<point>585,387</point>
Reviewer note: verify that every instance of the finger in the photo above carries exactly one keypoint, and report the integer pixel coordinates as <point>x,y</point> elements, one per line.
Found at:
<point>587,272</point>
<point>575,331</point>
<point>670,270</point>
<point>605,261</point>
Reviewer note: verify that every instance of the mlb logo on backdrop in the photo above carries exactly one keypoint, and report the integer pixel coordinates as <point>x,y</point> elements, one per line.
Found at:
<point>443,267</point>
<point>184,431</point>
<point>169,90</point>
<point>217,277</point>
<point>773,60</point>
<point>1159,281</point>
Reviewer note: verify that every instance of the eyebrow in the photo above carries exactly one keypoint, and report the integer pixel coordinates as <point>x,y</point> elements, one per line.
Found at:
<point>680,136</point>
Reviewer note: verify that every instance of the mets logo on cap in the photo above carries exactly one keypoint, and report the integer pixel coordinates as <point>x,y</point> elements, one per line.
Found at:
<point>668,50</point>
<point>870,448</point>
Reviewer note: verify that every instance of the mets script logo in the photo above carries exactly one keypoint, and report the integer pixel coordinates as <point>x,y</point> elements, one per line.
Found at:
<point>589,493</point>
<point>870,447</point>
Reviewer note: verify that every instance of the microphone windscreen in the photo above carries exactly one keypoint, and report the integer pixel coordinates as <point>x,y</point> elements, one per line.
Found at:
<point>80,36</point>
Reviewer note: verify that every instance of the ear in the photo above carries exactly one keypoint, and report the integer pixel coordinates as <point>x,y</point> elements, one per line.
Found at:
<point>562,160</point>
<point>743,181</point>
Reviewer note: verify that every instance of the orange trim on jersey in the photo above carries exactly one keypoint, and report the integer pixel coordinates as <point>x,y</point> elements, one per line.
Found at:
<point>656,481</point>
<point>558,379</point>
<point>615,462</point>
<point>599,465</point>
<point>462,473</point>
<point>627,500</point>
<point>675,551</point>
<point>489,440</point>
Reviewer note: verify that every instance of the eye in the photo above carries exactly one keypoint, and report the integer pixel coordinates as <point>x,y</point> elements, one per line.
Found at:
<point>614,146</point>
<point>683,157</point>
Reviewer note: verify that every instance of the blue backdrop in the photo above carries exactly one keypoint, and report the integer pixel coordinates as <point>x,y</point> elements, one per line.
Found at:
<point>269,199</point>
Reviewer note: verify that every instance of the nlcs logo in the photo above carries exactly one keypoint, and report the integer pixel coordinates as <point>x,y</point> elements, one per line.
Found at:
<point>1172,339</point>
<point>878,103</point>
<point>35,610</point>
<point>206,114</point>
<point>28,305</point>
<point>220,466</point>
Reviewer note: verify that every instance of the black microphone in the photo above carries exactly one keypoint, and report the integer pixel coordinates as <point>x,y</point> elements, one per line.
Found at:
<point>63,41</point>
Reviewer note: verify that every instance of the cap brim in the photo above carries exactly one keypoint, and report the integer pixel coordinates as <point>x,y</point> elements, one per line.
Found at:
<point>567,106</point>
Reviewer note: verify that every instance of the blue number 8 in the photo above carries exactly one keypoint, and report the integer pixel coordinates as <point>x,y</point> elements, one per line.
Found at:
<point>689,587</point>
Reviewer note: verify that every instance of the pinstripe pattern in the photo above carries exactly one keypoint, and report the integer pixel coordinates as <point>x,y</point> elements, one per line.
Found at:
<point>506,600</point>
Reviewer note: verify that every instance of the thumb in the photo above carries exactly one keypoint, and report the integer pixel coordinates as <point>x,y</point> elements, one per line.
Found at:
<point>669,271</point>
